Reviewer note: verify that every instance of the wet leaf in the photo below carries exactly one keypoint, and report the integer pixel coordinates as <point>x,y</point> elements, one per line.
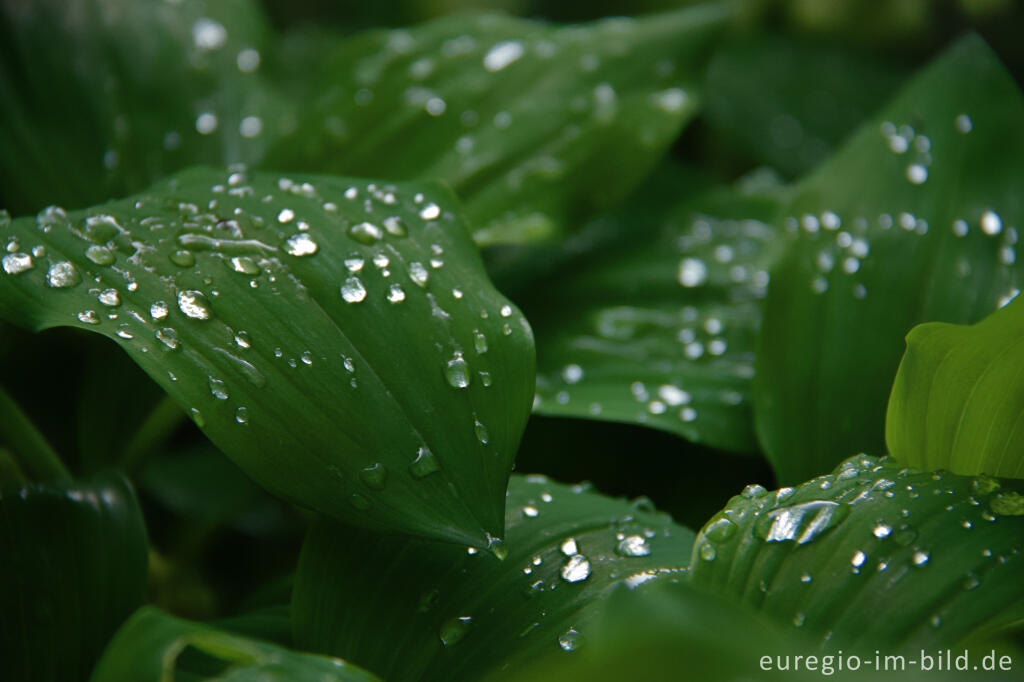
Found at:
<point>73,568</point>
<point>872,555</point>
<point>659,327</point>
<point>154,646</point>
<point>408,609</point>
<point>338,339</point>
<point>101,98</point>
<point>957,400</point>
<point>912,221</point>
<point>532,125</point>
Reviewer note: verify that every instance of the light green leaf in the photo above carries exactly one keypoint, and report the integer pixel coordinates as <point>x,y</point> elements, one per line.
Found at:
<point>872,555</point>
<point>532,125</point>
<point>913,221</point>
<point>103,97</point>
<point>337,339</point>
<point>411,610</point>
<point>156,647</point>
<point>659,327</point>
<point>74,558</point>
<point>958,399</point>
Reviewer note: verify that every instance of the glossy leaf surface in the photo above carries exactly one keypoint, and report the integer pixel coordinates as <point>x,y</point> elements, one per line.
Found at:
<point>74,559</point>
<point>913,220</point>
<point>531,124</point>
<point>958,399</point>
<point>338,339</point>
<point>411,610</point>
<point>156,647</point>
<point>872,555</point>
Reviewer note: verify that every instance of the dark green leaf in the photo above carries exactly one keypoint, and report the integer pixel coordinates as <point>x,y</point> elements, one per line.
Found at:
<point>337,339</point>
<point>411,610</point>
<point>155,647</point>
<point>101,98</point>
<point>958,400</point>
<point>532,125</point>
<point>872,555</point>
<point>660,328</point>
<point>74,558</point>
<point>912,221</point>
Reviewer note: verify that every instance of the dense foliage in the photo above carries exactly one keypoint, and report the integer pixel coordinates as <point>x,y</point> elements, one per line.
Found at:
<point>379,298</point>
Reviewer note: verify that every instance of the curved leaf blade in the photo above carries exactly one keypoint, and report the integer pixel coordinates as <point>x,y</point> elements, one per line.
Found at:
<point>956,403</point>
<point>872,555</point>
<point>154,646</point>
<point>912,221</point>
<point>337,339</point>
<point>102,98</point>
<point>74,565</point>
<point>659,327</point>
<point>532,125</point>
<point>428,611</point>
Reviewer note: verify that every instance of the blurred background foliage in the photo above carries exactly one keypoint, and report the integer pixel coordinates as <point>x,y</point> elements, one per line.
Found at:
<point>792,81</point>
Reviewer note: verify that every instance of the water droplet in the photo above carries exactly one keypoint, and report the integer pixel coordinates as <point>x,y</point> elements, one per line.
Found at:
<point>197,417</point>
<point>991,223</point>
<point>572,373</point>
<point>479,342</point>
<point>158,310</point>
<point>1007,503</point>
<point>497,547</point>
<point>217,389</point>
<point>570,640</point>
<point>109,298</point>
<point>88,317</point>
<point>430,212</point>
<point>457,371</point>
<point>396,294</point>
<point>858,559</point>
<point>904,536</point>
<point>17,263</point>
<point>799,619</point>
<point>359,502</point>
<point>633,545</point>
<point>245,265</point>
<point>454,629</point>
<point>168,337</point>
<point>708,552</point>
<point>418,274</point>
<point>394,225</point>
<point>882,530</point>
<point>242,415</point>
<point>62,275</point>
<point>569,547</point>
<point>424,464</point>
<point>719,530</point>
<point>353,290</point>
<point>374,476</point>
<point>692,272</point>
<point>920,558</point>
<point>365,233</point>
<point>481,432</point>
<point>576,569</point>
<point>100,255</point>
<point>194,304</point>
<point>301,244</point>
<point>802,522</point>
<point>183,259</point>
<point>502,54</point>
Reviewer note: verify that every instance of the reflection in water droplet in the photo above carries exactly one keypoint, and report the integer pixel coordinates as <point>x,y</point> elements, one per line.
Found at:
<point>569,547</point>
<point>1007,503</point>
<point>396,294</point>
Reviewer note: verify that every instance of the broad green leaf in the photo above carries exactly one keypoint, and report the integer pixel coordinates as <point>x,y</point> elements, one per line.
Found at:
<point>156,647</point>
<point>411,610</point>
<point>872,555</point>
<point>337,339</point>
<point>788,102</point>
<point>912,221</point>
<point>532,125</point>
<point>74,557</point>
<point>958,399</point>
<point>103,97</point>
<point>659,328</point>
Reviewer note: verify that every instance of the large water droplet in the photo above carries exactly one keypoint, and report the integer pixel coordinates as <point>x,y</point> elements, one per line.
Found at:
<point>300,244</point>
<point>457,371</point>
<point>365,233</point>
<point>100,255</point>
<point>576,569</point>
<point>353,290</point>
<point>62,275</point>
<point>109,298</point>
<point>17,263</point>
<point>194,304</point>
<point>802,522</point>
<point>633,545</point>
<point>719,530</point>
<point>158,310</point>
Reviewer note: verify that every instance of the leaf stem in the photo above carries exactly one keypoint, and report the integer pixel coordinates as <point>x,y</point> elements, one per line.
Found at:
<point>33,453</point>
<point>159,424</point>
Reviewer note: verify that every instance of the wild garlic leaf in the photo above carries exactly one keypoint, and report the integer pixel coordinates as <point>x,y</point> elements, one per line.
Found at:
<point>74,561</point>
<point>154,646</point>
<point>338,339</point>
<point>659,328</point>
<point>957,400</point>
<point>914,220</point>
<point>872,554</point>
<point>531,124</point>
<point>103,97</point>
<point>409,609</point>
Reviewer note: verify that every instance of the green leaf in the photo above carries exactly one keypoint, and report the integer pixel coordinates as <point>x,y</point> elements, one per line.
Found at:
<point>101,98</point>
<point>788,102</point>
<point>532,125</point>
<point>156,647</point>
<point>872,555</point>
<point>958,399</point>
<point>74,567</point>
<point>912,221</point>
<point>408,609</point>
<point>659,328</point>
<point>337,339</point>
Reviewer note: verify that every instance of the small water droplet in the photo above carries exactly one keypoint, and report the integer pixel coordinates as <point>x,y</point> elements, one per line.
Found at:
<point>100,255</point>
<point>109,298</point>
<point>158,310</point>
<point>245,265</point>
<point>168,337</point>
<point>920,558</point>
<point>396,294</point>
<point>217,389</point>
<point>88,317</point>
<point>479,342</point>
<point>430,212</point>
<point>633,545</point>
<point>719,530</point>
<point>576,569</point>
<point>183,259</point>
<point>300,244</point>
<point>194,304</point>
<point>424,464</point>
<point>454,629</point>
<point>62,275</point>
<point>418,274</point>
<point>570,640</point>
<point>374,476</point>
<point>569,547</point>
<point>359,502</point>
<point>242,415</point>
<point>353,290</point>
<point>481,432</point>
<point>365,233</point>
<point>456,371</point>
<point>197,417</point>
<point>708,552</point>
